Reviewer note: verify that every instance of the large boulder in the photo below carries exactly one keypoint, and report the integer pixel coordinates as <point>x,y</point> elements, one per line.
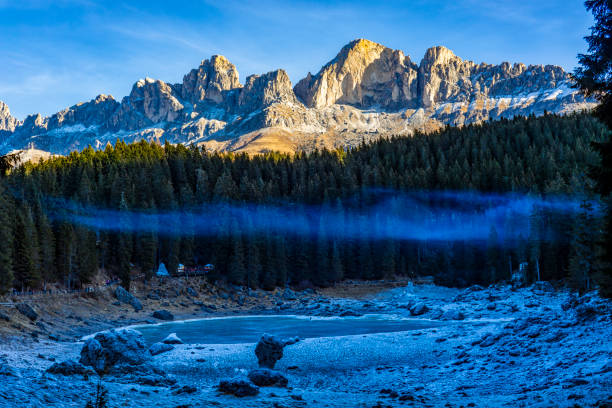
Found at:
<point>124,296</point>
<point>419,309</point>
<point>269,349</point>
<point>109,348</point>
<point>239,388</point>
<point>27,311</point>
<point>69,367</point>
<point>163,315</point>
<point>159,348</point>
<point>264,377</point>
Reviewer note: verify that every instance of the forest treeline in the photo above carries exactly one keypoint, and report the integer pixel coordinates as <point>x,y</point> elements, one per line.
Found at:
<point>534,155</point>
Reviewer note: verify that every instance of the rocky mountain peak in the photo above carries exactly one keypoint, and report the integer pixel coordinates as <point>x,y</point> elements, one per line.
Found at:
<point>363,74</point>
<point>366,91</point>
<point>260,91</point>
<point>94,112</point>
<point>7,121</point>
<point>151,101</point>
<point>210,81</point>
<point>439,55</point>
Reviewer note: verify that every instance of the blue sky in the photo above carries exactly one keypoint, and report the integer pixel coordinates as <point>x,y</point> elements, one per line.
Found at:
<point>54,54</point>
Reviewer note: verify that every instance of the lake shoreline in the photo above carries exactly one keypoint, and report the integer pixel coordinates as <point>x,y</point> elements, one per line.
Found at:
<point>534,347</point>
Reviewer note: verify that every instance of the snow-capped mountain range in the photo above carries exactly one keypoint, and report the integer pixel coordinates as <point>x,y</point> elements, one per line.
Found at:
<point>367,91</point>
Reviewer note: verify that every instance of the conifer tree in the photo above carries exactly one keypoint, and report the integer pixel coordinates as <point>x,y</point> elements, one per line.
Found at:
<point>594,77</point>
<point>6,238</point>
<point>582,262</point>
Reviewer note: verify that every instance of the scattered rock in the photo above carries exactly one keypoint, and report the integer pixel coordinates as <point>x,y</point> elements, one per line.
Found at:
<point>7,371</point>
<point>419,309</point>
<point>265,377</point>
<point>573,382</point>
<point>350,313</point>
<point>585,311</point>
<point>238,388</point>
<point>453,314</point>
<point>112,347</point>
<point>186,389</point>
<point>489,339</point>
<point>172,339</point>
<point>191,292</point>
<point>4,317</point>
<point>124,296</point>
<point>555,337</point>
<point>534,331</point>
<point>144,374</point>
<point>543,286</point>
<point>69,367</point>
<point>606,368</point>
<point>288,294</point>
<point>491,306</point>
<point>159,348</point>
<point>27,311</point>
<point>163,315</point>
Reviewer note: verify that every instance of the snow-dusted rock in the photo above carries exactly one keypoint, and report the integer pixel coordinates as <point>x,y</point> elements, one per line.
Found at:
<point>159,348</point>
<point>144,374</point>
<point>419,309</point>
<point>109,348</point>
<point>453,314</point>
<point>172,338</point>
<point>489,339</point>
<point>69,367</point>
<point>238,388</point>
<point>264,377</point>
<point>7,371</point>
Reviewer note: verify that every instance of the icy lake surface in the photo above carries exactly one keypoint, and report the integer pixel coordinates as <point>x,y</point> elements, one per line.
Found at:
<point>248,329</point>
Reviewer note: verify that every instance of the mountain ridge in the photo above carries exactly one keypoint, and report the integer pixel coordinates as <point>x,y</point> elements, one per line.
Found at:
<point>366,91</point>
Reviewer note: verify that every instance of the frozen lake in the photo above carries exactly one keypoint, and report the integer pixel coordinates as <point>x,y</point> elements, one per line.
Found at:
<point>248,329</point>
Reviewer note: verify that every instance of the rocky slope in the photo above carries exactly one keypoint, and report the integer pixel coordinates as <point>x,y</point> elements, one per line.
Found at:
<point>367,91</point>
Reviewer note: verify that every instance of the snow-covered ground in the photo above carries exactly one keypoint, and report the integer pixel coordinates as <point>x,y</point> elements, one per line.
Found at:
<point>493,347</point>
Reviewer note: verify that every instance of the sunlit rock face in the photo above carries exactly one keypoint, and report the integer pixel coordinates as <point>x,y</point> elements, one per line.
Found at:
<point>366,92</point>
<point>363,74</point>
<point>210,81</point>
<point>7,121</point>
<point>151,101</point>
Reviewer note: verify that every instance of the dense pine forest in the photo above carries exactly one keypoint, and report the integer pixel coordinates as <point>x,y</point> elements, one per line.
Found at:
<point>543,156</point>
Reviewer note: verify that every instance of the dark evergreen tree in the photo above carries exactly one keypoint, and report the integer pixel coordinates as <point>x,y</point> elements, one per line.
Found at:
<point>6,238</point>
<point>594,76</point>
